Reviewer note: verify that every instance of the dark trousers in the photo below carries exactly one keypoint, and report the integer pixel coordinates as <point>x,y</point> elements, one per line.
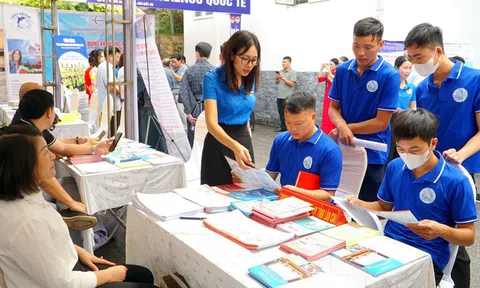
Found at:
<point>137,276</point>
<point>113,128</point>
<point>281,108</point>
<point>252,120</point>
<point>156,139</point>
<point>461,269</point>
<point>215,169</point>
<point>190,132</point>
<point>371,182</point>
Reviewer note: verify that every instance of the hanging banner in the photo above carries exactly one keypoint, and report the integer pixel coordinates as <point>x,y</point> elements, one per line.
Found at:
<point>72,61</point>
<point>153,75</point>
<point>22,50</point>
<point>226,6</point>
<point>393,49</point>
<point>235,23</point>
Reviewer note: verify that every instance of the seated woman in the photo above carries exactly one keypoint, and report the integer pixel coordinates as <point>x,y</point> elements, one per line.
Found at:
<point>36,249</point>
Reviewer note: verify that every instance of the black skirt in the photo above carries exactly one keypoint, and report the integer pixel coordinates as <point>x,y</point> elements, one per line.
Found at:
<point>215,169</point>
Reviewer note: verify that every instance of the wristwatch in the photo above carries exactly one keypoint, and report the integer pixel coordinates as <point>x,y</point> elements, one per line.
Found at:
<point>93,150</point>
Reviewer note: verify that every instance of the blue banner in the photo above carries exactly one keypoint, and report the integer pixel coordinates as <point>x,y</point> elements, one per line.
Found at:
<point>226,6</point>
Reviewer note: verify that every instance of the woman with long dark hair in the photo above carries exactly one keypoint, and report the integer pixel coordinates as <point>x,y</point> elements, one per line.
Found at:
<point>16,61</point>
<point>35,248</point>
<point>229,93</point>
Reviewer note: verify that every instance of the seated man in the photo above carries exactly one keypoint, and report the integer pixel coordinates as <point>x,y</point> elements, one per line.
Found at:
<point>304,147</point>
<point>36,109</point>
<point>439,196</point>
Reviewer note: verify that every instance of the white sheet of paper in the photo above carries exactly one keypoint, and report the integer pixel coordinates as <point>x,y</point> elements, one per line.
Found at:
<point>368,259</point>
<point>372,145</point>
<point>253,176</point>
<point>402,217</point>
<point>97,167</point>
<point>358,214</point>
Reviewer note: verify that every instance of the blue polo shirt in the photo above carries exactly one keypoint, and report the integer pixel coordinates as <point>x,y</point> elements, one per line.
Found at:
<point>233,108</point>
<point>361,97</point>
<point>443,195</point>
<point>318,155</point>
<point>456,104</point>
<point>406,96</point>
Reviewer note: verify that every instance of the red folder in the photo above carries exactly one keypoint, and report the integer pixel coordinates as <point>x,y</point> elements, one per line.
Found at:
<point>323,210</point>
<point>307,180</point>
<point>82,159</point>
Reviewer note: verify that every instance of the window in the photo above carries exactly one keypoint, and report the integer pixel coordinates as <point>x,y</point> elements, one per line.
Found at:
<point>203,15</point>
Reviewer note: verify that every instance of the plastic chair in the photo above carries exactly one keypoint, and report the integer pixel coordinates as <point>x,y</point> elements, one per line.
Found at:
<point>194,164</point>
<point>354,167</point>
<point>105,118</point>
<point>93,116</point>
<point>447,281</point>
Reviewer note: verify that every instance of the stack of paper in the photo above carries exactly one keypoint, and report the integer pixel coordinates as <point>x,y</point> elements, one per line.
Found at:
<point>254,194</point>
<point>302,227</point>
<point>244,231</point>
<point>204,196</point>
<point>287,269</point>
<point>165,206</point>
<point>97,167</point>
<point>351,233</point>
<point>281,211</point>
<point>313,247</point>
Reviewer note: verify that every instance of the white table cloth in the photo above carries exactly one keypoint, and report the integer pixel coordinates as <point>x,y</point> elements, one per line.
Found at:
<point>207,259</point>
<point>62,130</point>
<point>117,188</point>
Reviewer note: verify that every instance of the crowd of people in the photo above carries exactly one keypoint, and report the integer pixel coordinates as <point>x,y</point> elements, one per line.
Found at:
<point>433,127</point>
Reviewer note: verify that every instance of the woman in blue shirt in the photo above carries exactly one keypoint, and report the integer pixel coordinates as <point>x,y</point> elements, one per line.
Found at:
<point>406,96</point>
<point>16,62</point>
<point>229,98</point>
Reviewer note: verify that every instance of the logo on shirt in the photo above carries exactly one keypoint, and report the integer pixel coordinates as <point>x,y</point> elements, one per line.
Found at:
<point>372,86</point>
<point>409,91</point>
<point>307,162</point>
<point>460,95</point>
<point>427,195</point>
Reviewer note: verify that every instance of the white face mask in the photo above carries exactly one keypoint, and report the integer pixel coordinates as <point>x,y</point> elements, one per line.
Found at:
<point>414,161</point>
<point>427,68</point>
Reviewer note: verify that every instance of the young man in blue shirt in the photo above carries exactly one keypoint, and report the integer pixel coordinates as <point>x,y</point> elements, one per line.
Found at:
<point>305,148</point>
<point>438,194</point>
<point>364,96</point>
<point>452,92</point>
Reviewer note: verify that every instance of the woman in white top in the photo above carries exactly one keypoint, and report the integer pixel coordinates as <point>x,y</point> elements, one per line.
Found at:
<point>35,246</point>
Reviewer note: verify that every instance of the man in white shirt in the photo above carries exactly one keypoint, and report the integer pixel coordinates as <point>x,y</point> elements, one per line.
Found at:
<point>112,60</point>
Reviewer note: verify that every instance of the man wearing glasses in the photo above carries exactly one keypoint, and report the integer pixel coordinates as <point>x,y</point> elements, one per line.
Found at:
<point>285,80</point>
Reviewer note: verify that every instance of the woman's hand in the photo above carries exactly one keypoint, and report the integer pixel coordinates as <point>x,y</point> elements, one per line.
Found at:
<point>90,260</point>
<point>117,273</point>
<point>242,156</point>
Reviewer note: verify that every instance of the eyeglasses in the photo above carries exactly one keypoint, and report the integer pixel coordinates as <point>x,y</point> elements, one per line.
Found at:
<point>246,60</point>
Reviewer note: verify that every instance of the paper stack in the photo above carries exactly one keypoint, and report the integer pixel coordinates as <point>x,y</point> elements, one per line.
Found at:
<point>313,247</point>
<point>97,167</point>
<point>305,226</point>
<point>165,206</point>
<point>281,211</point>
<point>205,197</point>
<point>244,231</point>
<point>351,233</point>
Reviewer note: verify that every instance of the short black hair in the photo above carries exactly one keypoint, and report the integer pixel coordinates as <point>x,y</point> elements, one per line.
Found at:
<point>204,49</point>
<point>410,124</point>
<point>344,58</point>
<point>457,58</point>
<point>35,103</point>
<point>184,59</point>
<point>288,58</point>
<point>400,60</point>
<point>176,56</point>
<point>18,161</point>
<point>110,50</point>
<point>300,101</point>
<point>335,61</point>
<point>424,35</point>
<point>368,27</point>
<point>222,47</point>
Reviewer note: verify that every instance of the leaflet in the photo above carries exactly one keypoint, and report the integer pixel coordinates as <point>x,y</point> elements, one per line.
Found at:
<point>253,176</point>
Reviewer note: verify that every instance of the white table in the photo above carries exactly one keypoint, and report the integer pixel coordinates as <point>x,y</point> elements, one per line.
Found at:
<point>62,130</point>
<point>207,259</point>
<point>117,188</point>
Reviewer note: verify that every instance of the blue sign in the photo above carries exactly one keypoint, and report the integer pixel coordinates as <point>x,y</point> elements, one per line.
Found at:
<point>65,44</point>
<point>226,6</point>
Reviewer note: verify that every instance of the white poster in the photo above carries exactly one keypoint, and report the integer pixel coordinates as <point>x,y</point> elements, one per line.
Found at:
<point>160,93</point>
<point>22,47</point>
